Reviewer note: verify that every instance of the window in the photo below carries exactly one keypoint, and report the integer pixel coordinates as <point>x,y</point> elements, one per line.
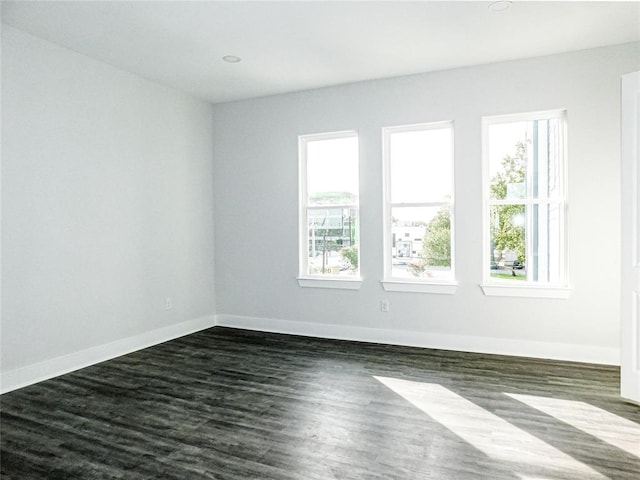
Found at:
<point>329,220</point>
<point>419,207</point>
<point>525,203</point>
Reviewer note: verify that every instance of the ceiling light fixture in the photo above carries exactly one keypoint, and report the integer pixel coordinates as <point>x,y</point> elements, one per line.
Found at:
<point>500,6</point>
<point>231,59</point>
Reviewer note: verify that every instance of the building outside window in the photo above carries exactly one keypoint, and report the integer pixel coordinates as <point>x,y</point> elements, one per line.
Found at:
<point>329,214</point>
<point>525,199</point>
<point>419,203</point>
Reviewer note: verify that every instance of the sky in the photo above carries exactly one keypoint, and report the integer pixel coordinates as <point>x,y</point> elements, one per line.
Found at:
<point>502,142</point>
<point>332,165</point>
<point>421,165</point>
<point>421,162</point>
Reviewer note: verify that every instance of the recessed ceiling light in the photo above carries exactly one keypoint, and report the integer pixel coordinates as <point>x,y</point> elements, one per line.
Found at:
<point>231,59</point>
<point>500,6</point>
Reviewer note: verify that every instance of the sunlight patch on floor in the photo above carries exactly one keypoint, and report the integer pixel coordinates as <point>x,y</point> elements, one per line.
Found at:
<point>530,457</point>
<point>612,429</point>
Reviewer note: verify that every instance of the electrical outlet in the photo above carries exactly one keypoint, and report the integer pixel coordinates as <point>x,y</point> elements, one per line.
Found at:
<point>384,305</point>
<point>168,303</point>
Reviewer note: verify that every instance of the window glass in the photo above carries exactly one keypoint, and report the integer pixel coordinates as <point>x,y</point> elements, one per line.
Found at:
<point>332,171</point>
<point>419,202</point>
<point>421,164</point>
<point>329,205</point>
<point>525,207</point>
<point>421,242</point>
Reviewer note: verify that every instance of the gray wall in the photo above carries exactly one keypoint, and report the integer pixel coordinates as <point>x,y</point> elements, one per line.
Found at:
<point>106,204</point>
<point>109,195</point>
<point>256,208</point>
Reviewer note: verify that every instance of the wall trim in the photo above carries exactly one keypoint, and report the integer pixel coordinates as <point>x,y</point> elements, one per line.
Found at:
<point>465,343</point>
<point>37,372</point>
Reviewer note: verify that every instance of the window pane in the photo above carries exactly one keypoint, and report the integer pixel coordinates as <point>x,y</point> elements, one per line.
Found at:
<point>547,157</point>
<point>421,164</point>
<point>524,159</point>
<point>507,226</point>
<point>511,257</point>
<point>508,160</point>
<point>545,261</point>
<point>421,242</point>
<point>332,171</point>
<point>333,242</point>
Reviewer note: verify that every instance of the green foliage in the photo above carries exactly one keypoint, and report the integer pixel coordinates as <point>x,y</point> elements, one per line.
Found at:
<point>513,171</point>
<point>507,221</point>
<point>508,276</point>
<point>351,255</point>
<point>507,232</point>
<point>436,246</point>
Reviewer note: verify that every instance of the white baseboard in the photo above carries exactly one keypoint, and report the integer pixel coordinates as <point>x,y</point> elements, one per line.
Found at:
<point>24,376</point>
<point>491,345</point>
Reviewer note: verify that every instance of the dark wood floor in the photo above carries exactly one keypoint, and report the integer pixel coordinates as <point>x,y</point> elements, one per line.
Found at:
<point>232,404</point>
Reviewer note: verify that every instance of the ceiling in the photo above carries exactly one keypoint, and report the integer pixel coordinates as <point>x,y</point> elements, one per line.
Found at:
<point>292,46</point>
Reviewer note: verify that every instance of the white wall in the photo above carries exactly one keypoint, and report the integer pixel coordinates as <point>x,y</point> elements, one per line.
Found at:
<point>256,193</point>
<point>106,210</point>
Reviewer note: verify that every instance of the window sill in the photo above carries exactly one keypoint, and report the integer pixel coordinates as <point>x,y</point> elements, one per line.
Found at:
<point>331,282</point>
<point>531,291</point>
<point>442,287</point>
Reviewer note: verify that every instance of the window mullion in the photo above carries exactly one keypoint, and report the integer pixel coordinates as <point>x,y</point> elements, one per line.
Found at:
<point>531,181</point>
<point>421,204</point>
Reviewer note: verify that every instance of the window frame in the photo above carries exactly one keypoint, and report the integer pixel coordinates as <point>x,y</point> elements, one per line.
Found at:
<point>417,285</point>
<point>499,287</point>
<point>304,278</point>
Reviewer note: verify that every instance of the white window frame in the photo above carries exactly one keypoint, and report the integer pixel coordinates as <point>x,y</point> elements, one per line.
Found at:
<point>500,287</point>
<point>325,280</point>
<point>418,285</point>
